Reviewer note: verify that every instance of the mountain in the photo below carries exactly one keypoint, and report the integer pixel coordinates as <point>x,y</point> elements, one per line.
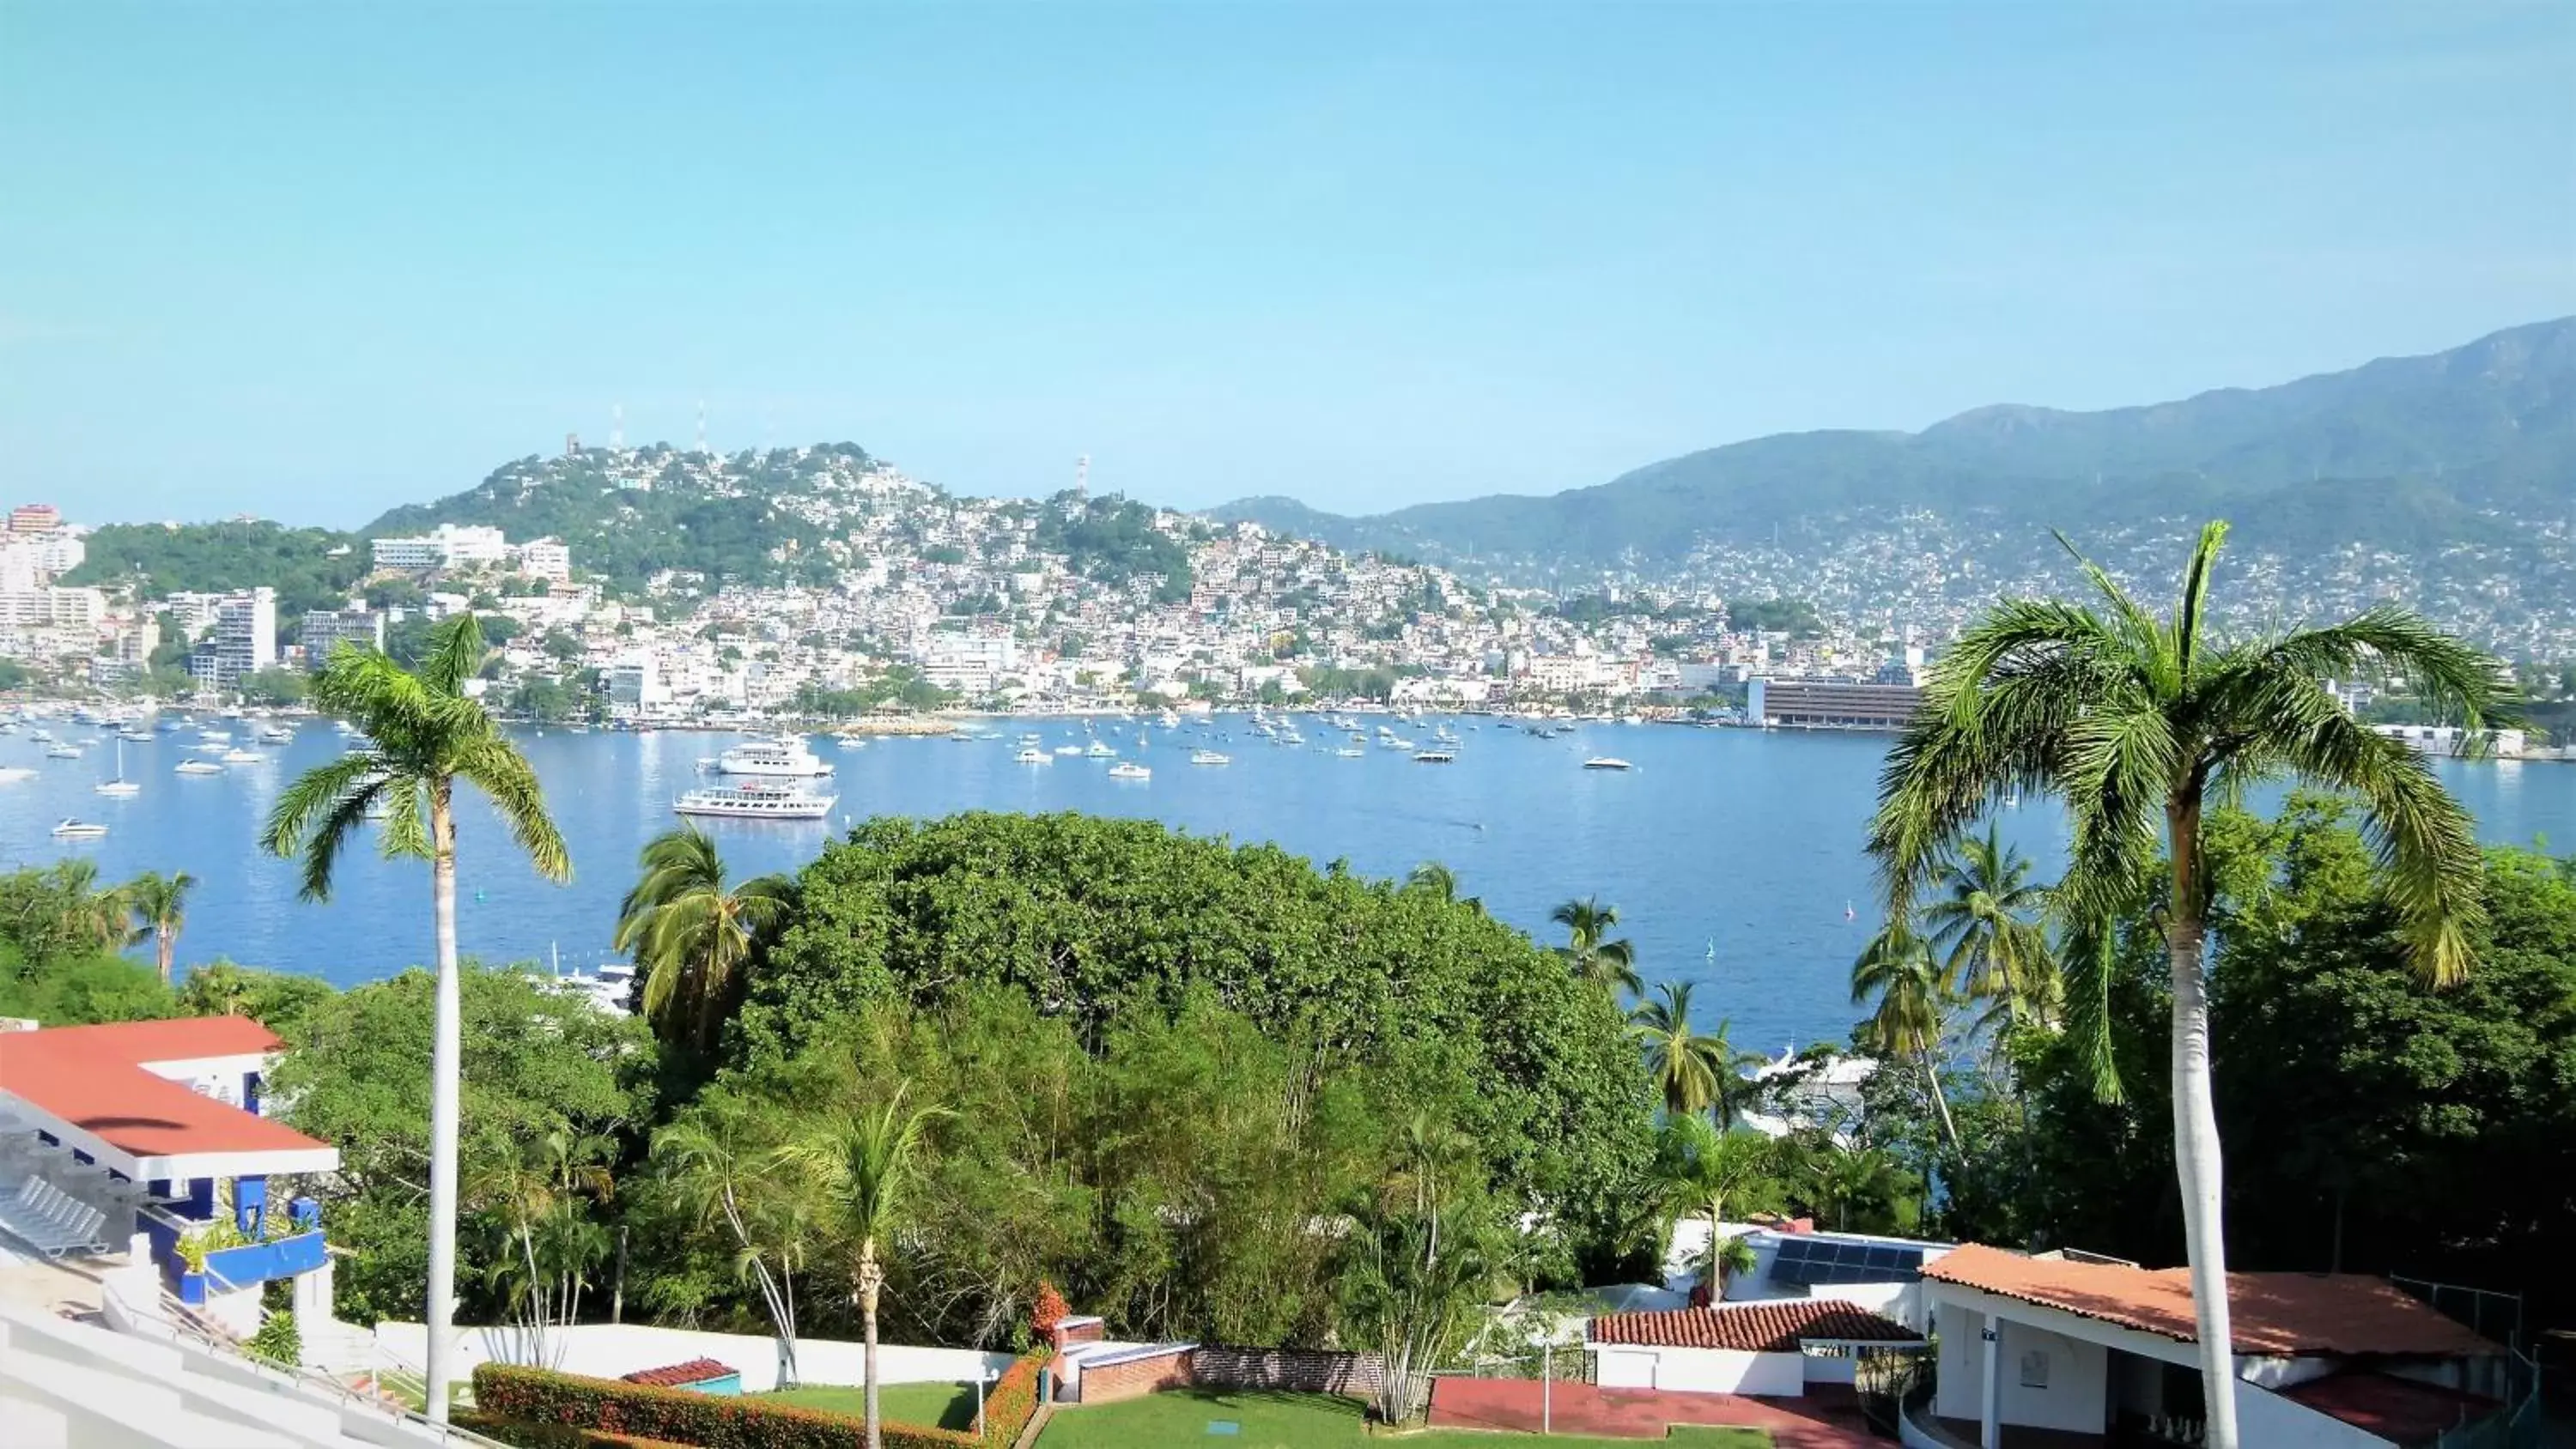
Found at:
<point>2417,452</point>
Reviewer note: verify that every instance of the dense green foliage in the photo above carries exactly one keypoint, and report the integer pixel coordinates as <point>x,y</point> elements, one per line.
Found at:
<point>539,1065</point>
<point>627,535</point>
<point>1106,921</point>
<point>311,568</point>
<point>2408,452</point>
<point>539,1396</point>
<point>2371,1123</point>
<point>1113,541</point>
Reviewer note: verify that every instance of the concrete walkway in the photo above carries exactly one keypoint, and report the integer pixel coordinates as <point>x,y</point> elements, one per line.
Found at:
<point>1828,1419</point>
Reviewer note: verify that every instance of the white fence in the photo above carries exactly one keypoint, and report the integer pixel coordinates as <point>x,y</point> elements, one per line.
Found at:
<point>612,1350</point>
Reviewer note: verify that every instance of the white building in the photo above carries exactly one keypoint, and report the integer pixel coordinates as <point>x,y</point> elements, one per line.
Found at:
<point>1774,1348</point>
<point>326,629</point>
<point>635,684</point>
<point>2097,1347</point>
<point>2448,740</point>
<point>546,558</point>
<point>448,546</point>
<point>969,664</point>
<point>53,608</point>
<point>242,642</point>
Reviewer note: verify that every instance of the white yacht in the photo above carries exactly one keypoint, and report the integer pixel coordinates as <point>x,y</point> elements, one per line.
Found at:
<point>277,735</point>
<point>243,757</point>
<point>1607,762</point>
<point>849,742</point>
<point>9,773</point>
<point>1434,757</point>
<point>786,757</point>
<point>199,767</point>
<point>63,752</point>
<point>1128,770</point>
<point>755,801</point>
<point>1352,752</point>
<point>78,830</point>
<point>1209,757</point>
<point>1033,756</point>
<point>138,736</point>
<point>1068,751</point>
<point>1100,750</point>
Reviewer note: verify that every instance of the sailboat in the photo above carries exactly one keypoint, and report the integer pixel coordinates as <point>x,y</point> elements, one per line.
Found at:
<point>120,785</point>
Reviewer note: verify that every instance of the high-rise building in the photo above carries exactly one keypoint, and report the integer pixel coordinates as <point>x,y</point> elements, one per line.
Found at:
<point>326,629</point>
<point>448,546</point>
<point>546,558</point>
<point>242,642</point>
<point>35,518</point>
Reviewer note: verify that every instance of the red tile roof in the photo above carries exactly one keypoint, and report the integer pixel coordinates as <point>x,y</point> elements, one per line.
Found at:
<point>2400,1411</point>
<point>680,1375</point>
<point>2276,1315</point>
<point>1775,1326</point>
<point>92,1078</point>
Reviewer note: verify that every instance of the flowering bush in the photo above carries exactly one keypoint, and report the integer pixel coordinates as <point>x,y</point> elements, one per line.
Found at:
<point>1049,1309</point>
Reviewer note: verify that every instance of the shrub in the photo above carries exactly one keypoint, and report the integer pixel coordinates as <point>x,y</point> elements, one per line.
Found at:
<point>278,1339</point>
<point>1049,1309</point>
<point>539,1399</point>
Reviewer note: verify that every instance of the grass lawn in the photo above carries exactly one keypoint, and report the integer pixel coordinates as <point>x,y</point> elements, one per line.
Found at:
<point>944,1406</point>
<point>1304,1421</point>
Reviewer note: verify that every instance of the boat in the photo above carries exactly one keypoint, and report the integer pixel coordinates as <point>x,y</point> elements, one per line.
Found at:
<point>1434,757</point>
<point>63,752</point>
<point>15,772</point>
<point>120,785</point>
<point>1209,757</point>
<point>1102,750</point>
<point>216,737</point>
<point>849,742</point>
<point>755,801</point>
<point>1032,756</point>
<point>1129,770</point>
<point>1032,738</point>
<point>786,757</point>
<point>1068,750</point>
<point>140,737</point>
<point>213,747</point>
<point>281,735</point>
<point>1352,752</point>
<point>198,767</point>
<point>72,829</point>
<point>242,757</point>
<point>1607,762</point>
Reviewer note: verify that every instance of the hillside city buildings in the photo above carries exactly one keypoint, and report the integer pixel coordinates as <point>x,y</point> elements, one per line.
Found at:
<point>872,591</point>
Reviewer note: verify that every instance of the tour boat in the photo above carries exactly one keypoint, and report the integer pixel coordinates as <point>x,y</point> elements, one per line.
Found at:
<point>1607,762</point>
<point>787,757</point>
<point>199,767</point>
<point>72,829</point>
<point>1209,757</point>
<point>755,802</point>
<point>1127,770</point>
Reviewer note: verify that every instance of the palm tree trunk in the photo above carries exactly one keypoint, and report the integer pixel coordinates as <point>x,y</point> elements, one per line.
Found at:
<point>871,1278</point>
<point>2196,1147</point>
<point>446,1054</point>
<point>165,944</point>
<point>1932,1078</point>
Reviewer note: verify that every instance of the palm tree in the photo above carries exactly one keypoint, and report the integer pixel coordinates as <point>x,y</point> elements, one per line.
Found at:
<point>162,902</point>
<point>1689,1069</point>
<point>1701,1169</point>
<point>1610,965</point>
<point>863,1165</point>
<point>691,935</point>
<point>428,735</point>
<point>1431,878</point>
<point>1839,1176</point>
<point>714,1174</point>
<point>91,915</point>
<point>549,1242</point>
<point>1896,972</point>
<point>1983,923</point>
<point>2137,723</point>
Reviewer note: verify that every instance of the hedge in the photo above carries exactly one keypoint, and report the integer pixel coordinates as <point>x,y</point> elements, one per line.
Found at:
<point>553,1436</point>
<point>542,1399</point>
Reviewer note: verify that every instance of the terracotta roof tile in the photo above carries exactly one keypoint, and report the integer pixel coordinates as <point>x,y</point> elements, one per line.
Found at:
<point>2276,1315</point>
<point>1775,1326</point>
<point>679,1375</point>
<point>93,1078</point>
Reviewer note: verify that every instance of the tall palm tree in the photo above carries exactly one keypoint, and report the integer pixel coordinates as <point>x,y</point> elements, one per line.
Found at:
<point>1699,1169</point>
<point>691,934</point>
<point>1686,1066</point>
<point>1608,964</point>
<point>91,915</point>
<point>863,1165</point>
<point>1906,991</point>
<point>428,736</point>
<point>1984,924</point>
<point>2137,723</point>
<point>162,903</point>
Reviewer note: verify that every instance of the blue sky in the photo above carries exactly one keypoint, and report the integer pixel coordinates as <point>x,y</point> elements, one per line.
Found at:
<point>314,262</point>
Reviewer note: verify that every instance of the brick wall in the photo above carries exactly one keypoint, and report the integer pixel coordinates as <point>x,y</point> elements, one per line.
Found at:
<point>1071,1331</point>
<point>1296,1370</point>
<point>1146,1373</point>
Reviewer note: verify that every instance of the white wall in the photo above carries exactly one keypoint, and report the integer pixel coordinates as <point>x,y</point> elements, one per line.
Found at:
<point>1700,1370</point>
<point>2077,1396</point>
<point>610,1350</point>
<point>2265,1418</point>
<point>1631,1368</point>
<point>1962,1392</point>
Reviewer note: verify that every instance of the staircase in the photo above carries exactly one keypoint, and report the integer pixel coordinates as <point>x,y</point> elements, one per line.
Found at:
<point>134,1378</point>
